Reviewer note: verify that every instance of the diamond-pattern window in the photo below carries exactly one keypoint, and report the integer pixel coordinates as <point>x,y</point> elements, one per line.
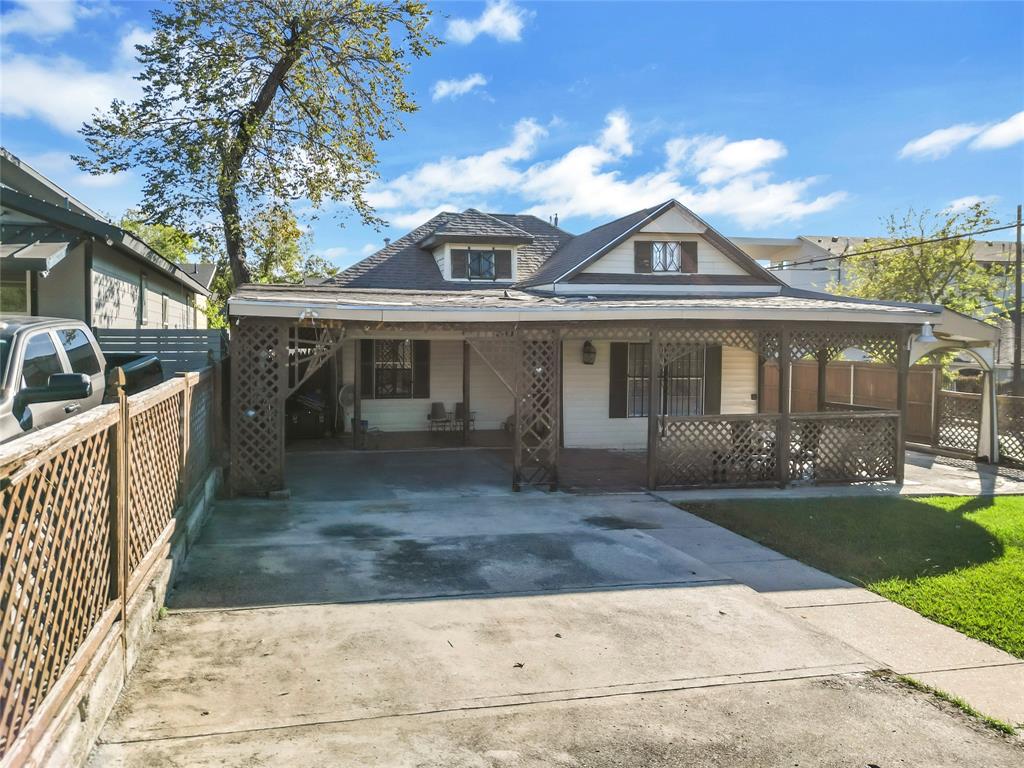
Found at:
<point>665,257</point>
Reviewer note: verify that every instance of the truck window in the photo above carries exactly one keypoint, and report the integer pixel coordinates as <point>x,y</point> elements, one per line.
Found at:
<point>40,361</point>
<point>80,352</point>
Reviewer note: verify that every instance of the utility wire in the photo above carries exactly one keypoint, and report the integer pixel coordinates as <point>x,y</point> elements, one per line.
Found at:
<point>908,244</point>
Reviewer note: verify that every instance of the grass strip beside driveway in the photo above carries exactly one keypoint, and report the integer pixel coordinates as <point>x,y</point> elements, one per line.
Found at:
<point>957,560</point>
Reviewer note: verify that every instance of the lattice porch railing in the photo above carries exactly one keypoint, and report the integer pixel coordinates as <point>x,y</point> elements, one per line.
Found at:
<point>843,447</point>
<point>717,450</point>
<point>87,508</point>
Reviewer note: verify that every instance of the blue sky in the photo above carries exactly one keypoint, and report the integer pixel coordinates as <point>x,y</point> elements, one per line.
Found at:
<point>767,119</point>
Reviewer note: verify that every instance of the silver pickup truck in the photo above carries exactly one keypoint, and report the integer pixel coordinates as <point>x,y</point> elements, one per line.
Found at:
<point>52,369</point>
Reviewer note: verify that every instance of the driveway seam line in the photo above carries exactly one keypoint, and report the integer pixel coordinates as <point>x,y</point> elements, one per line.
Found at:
<point>478,708</point>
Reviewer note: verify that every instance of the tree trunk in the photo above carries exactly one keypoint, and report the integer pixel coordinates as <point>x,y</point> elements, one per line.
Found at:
<point>233,156</point>
<point>233,243</point>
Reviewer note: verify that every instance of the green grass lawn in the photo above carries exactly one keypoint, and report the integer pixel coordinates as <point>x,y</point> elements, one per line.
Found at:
<point>957,560</point>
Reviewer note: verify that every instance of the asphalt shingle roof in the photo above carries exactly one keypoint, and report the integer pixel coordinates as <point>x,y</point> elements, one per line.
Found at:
<point>580,247</point>
<point>403,264</point>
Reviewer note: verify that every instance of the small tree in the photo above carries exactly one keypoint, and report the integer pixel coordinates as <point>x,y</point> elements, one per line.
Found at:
<point>246,103</point>
<point>944,273</point>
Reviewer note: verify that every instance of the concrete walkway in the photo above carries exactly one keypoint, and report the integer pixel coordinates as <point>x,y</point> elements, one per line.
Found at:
<point>415,628</point>
<point>926,475</point>
<point>896,638</point>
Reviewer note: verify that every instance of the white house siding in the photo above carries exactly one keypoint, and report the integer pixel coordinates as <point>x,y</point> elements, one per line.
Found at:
<point>585,401</point>
<point>585,404</point>
<point>710,261</point>
<point>739,380</point>
<point>489,399</point>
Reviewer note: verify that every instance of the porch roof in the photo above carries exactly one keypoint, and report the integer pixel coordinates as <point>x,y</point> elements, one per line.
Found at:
<point>497,305</point>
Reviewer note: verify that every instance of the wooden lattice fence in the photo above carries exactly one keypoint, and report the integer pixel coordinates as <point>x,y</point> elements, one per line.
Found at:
<point>88,506</point>
<point>1011,429</point>
<point>743,450</point>
<point>958,422</point>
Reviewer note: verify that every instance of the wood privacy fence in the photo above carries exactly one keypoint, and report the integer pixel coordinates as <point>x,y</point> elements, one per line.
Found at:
<point>90,507</point>
<point>863,385</point>
<point>178,349</point>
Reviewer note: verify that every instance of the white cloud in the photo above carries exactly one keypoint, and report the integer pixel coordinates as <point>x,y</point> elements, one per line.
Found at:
<point>444,89</point>
<point>332,254</point>
<point>65,92</point>
<point>940,143</point>
<point>132,37</point>
<point>369,248</point>
<point>716,159</point>
<point>1001,135</point>
<point>60,90</point>
<point>39,19</point>
<point>713,175</point>
<point>62,169</point>
<point>502,19</point>
<point>968,201</point>
<point>434,182</point>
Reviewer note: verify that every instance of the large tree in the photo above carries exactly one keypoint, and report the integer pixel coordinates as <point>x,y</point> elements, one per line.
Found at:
<point>170,242</point>
<point>915,270</point>
<point>253,102</point>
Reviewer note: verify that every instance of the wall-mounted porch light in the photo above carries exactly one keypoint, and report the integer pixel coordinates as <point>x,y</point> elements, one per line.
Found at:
<point>926,336</point>
<point>589,353</point>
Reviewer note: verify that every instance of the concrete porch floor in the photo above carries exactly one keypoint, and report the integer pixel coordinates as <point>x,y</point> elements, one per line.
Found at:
<point>415,611</point>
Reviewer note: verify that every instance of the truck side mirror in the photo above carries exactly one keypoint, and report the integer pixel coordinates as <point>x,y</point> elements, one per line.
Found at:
<point>60,386</point>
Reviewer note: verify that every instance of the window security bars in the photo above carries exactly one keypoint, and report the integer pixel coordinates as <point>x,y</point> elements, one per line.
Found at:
<point>681,385</point>
<point>665,257</point>
<point>481,265</point>
<point>392,368</point>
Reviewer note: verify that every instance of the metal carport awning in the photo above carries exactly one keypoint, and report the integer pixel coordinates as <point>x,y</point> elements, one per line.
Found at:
<point>40,256</point>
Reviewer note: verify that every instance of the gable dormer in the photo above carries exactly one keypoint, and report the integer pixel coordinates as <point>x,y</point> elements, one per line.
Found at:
<point>666,248</point>
<point>476,247</point>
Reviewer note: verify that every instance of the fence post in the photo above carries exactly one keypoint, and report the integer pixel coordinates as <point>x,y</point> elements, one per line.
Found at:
<point>902,384</point>
<point>184,486</point>
<point>653,408</point>
<point>782,435</point>
<point>119,502</point>
<point>216,414</point>
<point>936,412</point>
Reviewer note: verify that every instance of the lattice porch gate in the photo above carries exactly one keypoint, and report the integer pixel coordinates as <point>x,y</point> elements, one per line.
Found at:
<point>270,360</point>
<point>529,364</point>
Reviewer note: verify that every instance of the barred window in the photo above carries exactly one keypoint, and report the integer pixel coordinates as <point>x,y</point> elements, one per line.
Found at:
<point>681,389</point>
<point>392,362</point>
<point>665,257</point>
<point>481,265</point>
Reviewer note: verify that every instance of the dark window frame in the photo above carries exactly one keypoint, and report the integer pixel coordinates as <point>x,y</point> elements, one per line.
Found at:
<point>685,374</point>
<point>397,369</point>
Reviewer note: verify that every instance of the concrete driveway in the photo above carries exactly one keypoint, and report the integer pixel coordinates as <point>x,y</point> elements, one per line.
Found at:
<point>413,622</point>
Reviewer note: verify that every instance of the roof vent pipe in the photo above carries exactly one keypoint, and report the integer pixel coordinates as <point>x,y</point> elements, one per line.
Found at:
<point>387,241</point>
<point>556,219</point>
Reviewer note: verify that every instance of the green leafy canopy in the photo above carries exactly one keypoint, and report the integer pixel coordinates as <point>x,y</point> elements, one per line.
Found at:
<point>944,273</point>
<point>255,103</point>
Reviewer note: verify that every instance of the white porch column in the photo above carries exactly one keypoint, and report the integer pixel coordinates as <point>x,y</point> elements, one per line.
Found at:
<point>988,440</point>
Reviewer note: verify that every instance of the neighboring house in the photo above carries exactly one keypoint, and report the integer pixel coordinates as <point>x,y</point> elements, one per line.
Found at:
<point>554,337</point>
<point>60,258</point>
<point>805,261</point>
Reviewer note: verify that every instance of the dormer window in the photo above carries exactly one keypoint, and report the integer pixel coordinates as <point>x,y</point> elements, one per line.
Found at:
<point>481,264</point>
<point>665,257</point>
<point>679,257</point>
